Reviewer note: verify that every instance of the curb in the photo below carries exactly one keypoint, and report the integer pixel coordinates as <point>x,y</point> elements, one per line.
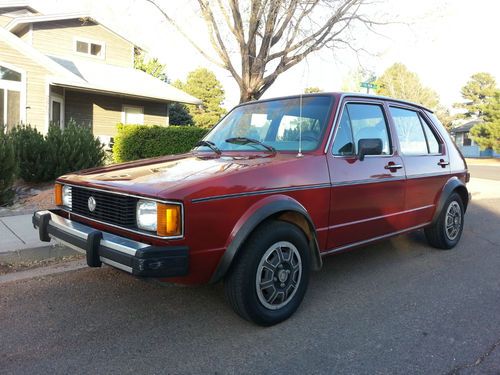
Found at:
<point>36,254</point>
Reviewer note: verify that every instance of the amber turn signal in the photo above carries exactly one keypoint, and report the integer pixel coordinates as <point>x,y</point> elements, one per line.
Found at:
<point>58,195</point>
<point>168,219</point>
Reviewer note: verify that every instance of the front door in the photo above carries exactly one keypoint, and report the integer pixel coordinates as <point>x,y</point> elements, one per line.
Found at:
<point>367,196</point>
<point>426,162</point>
<point>57,110</point>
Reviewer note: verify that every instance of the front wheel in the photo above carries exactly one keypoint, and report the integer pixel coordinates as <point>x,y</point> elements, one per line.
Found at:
<point>269,278</point>
<point>447,230</point>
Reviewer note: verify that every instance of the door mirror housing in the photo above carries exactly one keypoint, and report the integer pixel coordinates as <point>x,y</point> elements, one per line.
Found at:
<point>369,146</point>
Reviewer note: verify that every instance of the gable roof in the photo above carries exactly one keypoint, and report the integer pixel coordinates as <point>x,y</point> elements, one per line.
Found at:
<point>18,4</point>
<point>35,55</point>
<point>132,82</point>
<point>107,79</point>
<point>19,22</point>
<point>465,127</point>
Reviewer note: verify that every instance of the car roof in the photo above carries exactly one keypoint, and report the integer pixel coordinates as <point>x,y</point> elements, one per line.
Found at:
<point>340,96</point>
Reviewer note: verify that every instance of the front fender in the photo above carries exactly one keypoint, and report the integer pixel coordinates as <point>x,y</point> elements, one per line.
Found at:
<point>256,214</point>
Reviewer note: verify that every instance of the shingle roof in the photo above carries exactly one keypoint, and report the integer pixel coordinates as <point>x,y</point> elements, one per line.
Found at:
<point>100,77</point>
<point>465,127</point>
<point>18,22</point>
<point>115,79</point>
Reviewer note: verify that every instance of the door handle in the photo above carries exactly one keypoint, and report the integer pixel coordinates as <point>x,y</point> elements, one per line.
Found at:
<point>443,163</point>
<point>393,166</point>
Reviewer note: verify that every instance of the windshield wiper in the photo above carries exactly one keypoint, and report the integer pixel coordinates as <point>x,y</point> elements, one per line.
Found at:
<point>210,145</point>
<point>245,141</point>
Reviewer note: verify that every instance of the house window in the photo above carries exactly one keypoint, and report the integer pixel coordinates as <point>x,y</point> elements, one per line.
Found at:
<point>132,114</point>
<point>11,97</point>
<point>89,48</point>
<point>467,140</point>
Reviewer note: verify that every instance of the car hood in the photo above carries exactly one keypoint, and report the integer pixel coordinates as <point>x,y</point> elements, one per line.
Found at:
<point>152,176</point>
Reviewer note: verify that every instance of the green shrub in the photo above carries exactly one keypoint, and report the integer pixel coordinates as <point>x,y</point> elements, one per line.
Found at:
<point>73,149</point>
<point>60,151</point>
<point>142,141</point>
<point>31,154</point>
<point>8,167</point>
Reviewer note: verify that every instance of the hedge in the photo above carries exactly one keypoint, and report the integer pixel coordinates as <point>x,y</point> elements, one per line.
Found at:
<point>144,141</point>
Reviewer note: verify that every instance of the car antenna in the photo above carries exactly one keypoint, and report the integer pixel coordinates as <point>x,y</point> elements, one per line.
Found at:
<point>299,154</point>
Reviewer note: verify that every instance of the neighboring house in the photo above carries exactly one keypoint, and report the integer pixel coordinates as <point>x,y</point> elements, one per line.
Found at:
<point>54,68</point>
<point>466,144</point>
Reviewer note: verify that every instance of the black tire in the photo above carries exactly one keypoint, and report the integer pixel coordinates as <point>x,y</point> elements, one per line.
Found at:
<point>437,234</point>
<point>241,284</point>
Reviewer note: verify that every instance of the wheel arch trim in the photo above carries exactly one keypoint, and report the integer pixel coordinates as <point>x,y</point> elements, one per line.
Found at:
<point>253,217</point>
<point>451,185</point>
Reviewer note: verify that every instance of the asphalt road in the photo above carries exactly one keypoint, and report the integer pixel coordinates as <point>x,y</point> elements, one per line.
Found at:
<point>397,307</point>
<point>490,172</point>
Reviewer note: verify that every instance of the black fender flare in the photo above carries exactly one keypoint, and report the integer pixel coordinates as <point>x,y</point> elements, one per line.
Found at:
<point>254,216</point>
<point>451,185</point>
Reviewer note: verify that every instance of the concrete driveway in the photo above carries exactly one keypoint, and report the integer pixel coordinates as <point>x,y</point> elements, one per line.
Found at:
<point>395,307</point>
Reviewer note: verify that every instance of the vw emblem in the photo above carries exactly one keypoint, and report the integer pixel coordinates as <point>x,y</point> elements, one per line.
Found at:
<point>92,204</point>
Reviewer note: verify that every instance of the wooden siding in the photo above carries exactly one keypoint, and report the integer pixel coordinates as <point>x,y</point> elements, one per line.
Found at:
<point>58,38</point>
<point>25,34</point>
<point>4,20</point>
<point>105,112</point>
<point>36,85</point>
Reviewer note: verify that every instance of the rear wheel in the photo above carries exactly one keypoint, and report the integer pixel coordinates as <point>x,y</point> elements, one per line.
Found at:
<point>447,230</point>
<point>268,280</point>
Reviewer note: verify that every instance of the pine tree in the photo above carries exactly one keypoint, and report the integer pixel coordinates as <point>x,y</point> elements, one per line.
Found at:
<point>8,167</point>
<point>400,83</point>
<point>487,134</point>
<point>204,85</point>
<point>477,92</point>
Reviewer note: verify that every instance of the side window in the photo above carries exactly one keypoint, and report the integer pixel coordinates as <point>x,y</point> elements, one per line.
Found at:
<point>368,121</point>
<point>343,144</point>
<point>410,132</point>
<point>432,142</point>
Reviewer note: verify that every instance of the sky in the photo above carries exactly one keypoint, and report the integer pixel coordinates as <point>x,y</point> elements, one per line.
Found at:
<point>444,42</point>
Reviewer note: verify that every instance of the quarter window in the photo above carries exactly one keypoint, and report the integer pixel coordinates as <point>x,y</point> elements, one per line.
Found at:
<point>361,121</point>
<point>432,142</point>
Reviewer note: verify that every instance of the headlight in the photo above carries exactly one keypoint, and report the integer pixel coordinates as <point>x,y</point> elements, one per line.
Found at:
<point>163,218</point>
<point>66,196</point>
<point>62,195</point>
<point>146,215</point>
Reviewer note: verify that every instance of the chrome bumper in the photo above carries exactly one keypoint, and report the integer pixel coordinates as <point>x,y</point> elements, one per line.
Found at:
<point>120,252</point>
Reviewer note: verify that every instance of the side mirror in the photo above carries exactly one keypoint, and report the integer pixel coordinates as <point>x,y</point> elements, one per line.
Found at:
<point>369,146</point>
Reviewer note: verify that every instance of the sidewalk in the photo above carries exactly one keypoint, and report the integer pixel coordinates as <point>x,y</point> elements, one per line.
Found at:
<point>486,161</point>
<point>19,241</point>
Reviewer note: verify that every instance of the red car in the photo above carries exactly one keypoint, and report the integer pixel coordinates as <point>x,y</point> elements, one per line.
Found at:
<point>271,189</point>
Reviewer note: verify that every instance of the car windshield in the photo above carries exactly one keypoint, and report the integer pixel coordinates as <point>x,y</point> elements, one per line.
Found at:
<point>272,125</point>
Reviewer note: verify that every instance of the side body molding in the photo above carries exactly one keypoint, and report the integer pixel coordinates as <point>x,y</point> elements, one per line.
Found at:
<point>452,184</point>
<point>255,215</point>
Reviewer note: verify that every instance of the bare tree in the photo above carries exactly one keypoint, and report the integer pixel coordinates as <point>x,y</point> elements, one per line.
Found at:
<point>268,37</point>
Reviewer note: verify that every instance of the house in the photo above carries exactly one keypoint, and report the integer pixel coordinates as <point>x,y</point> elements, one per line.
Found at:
<point>58,67</point>
<point>466,144</point>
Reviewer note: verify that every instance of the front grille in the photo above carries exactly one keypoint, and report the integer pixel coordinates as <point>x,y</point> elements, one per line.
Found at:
<point>110,208</point>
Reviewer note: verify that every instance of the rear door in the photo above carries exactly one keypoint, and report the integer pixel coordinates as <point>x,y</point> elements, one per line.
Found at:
<point>426,162</point>
<point>367,196</point>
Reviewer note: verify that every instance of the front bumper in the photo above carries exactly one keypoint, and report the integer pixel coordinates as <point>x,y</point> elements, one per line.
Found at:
<point>128,255</point>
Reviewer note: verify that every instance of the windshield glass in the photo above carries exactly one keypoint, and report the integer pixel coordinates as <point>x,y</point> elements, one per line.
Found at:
<point>274,123</point>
